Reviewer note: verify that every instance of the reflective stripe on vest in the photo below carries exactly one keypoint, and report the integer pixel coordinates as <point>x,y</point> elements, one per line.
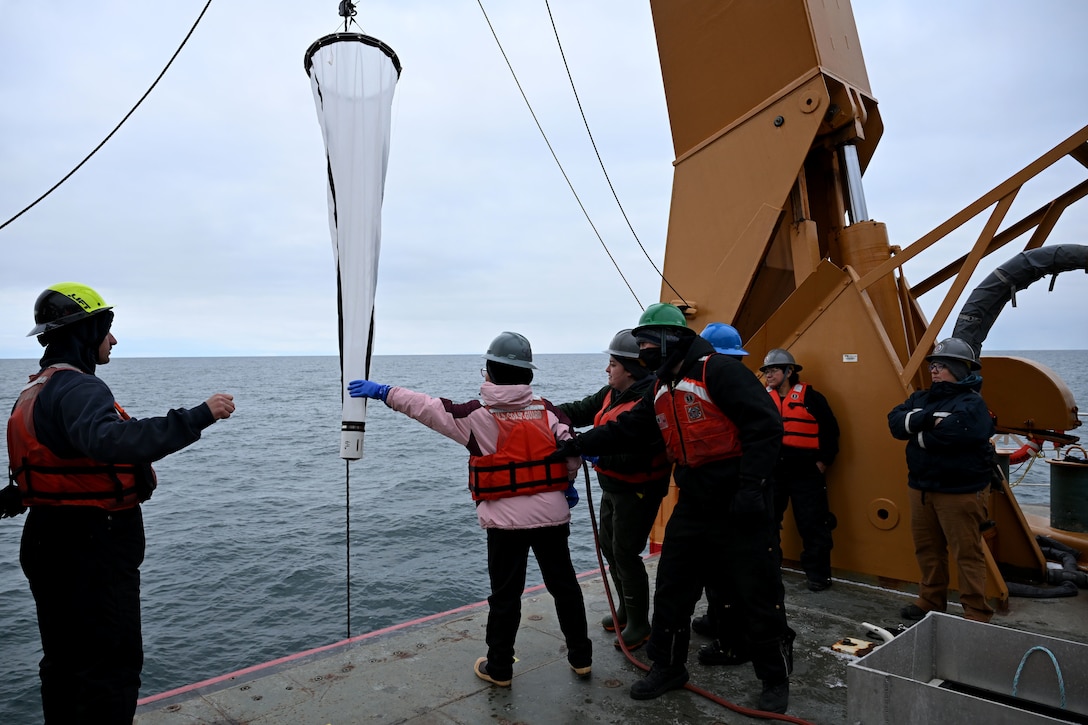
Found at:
<point>45,479</point>
<point>658,467</point>
<point>517,467</point>
<point>800,429</point>
<point>695,430</point>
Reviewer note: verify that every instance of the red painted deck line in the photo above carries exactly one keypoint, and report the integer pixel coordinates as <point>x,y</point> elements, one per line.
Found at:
<point>325,648</point>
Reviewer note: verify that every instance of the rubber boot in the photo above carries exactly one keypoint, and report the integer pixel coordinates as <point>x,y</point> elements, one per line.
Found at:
<point>637,631</point>
<point>621,608</point>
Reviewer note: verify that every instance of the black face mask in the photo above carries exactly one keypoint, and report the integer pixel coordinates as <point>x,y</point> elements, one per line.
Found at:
<point>651,356</point>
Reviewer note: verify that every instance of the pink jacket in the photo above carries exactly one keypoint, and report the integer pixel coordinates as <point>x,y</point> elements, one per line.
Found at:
<point>473,427</point>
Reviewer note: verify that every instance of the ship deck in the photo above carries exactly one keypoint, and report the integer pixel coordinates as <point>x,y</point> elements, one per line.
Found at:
<point>421,671</point>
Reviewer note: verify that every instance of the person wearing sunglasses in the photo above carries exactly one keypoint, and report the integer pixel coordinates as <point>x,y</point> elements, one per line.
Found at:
<point>949,457</point>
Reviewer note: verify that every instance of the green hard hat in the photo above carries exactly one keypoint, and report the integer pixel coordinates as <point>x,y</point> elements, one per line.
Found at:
<point>662,314</point>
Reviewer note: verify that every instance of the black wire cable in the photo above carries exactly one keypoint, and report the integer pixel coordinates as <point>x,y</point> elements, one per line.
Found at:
<point>347,535</point>
<point>600,161</point>
<point>118,126</point>
<point>554,156</point>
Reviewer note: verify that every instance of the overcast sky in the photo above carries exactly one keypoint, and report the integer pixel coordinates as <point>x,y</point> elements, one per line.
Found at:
<point>204,219</point>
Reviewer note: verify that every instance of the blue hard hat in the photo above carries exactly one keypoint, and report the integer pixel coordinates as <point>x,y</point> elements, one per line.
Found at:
<point>724,338</point>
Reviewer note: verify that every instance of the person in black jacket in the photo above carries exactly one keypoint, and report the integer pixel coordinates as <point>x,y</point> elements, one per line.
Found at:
<point>949,462</point>
<point>723,435</point>
<point>633,484</point>
<point>809,445</point>
<point>83,466</point>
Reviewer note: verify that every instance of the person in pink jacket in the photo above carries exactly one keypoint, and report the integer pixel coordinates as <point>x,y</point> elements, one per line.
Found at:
<point>523,502</point>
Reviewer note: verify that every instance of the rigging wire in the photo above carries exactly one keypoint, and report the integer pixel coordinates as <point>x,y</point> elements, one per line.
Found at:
<point>554,156</point>
<point>600,161</point>
<point>347,536</point>
<point>118,126</point>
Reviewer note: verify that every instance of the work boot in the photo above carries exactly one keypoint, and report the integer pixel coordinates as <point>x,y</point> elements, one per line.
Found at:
<point>637,631</point>
<point>582,672</point>
<point>659,680</point>
<point>480,668</point>
<point>701,625</point>
<point>912,611</point>
<point>714,654</point>
<point>775,697</point>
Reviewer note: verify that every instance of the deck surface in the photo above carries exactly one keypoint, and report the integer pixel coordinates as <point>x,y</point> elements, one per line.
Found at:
<point>421,672</point>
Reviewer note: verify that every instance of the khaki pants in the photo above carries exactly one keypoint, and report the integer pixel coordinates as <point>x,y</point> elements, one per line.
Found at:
<point>944,524</point>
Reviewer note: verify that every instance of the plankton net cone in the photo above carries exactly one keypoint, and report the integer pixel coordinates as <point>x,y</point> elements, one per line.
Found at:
<point>353,77</point>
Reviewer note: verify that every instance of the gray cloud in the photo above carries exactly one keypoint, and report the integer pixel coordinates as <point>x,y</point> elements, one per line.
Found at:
<point>204,219</point>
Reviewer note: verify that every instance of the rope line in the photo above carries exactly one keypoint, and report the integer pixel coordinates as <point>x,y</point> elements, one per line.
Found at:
<point>548,142</point>
<point>1053,660</point>
<point>118,126</point>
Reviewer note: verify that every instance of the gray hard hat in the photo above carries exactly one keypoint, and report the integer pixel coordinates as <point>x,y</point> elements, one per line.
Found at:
<point>779,358</point>
<point>954,348</point>
<point>511,348</point>
<point>623,344</point>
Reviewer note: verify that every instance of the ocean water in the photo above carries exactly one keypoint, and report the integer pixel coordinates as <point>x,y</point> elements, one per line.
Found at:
<point>247,552</point>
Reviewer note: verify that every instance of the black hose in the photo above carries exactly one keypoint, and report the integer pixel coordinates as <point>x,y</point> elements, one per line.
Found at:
<point>986,301</point>
<point>1065,589</point>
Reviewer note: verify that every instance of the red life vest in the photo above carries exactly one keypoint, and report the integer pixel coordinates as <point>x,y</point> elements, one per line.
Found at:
<point>45,479</point>
<point>695,430</point>
<point>800,429</point>
<point>517,467</point>
<point>658,468</point>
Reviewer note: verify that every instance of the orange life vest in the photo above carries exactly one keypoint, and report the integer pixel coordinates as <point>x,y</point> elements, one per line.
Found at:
<point>658,467</point>
<point>800,429</point>
<point>695,430</point>
<point>45,479</point>
<point>517,467</point>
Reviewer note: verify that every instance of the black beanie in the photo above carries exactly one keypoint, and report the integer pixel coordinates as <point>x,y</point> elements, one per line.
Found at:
<point>77,343</point>
<point>633,365</point>
<point>958,368</point>
<point>502,374</point>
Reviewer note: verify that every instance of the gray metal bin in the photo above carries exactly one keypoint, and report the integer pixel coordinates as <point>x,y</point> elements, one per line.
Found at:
<point>951,670</point>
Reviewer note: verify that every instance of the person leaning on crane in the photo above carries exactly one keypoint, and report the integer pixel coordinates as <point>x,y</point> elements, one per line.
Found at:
<point>723,434</point>
<point>83,466</point>
<point>809,445</point>
<point>523,500</point>
<point>949,468</point>
<point>633,484</point>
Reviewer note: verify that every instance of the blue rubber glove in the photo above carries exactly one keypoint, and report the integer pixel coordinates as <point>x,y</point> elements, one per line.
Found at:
<point>368,389</point>
<point>572,495</point>
<point>591,460</point>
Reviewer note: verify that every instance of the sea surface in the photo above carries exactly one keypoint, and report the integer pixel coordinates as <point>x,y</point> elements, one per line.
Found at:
<point>247,551</point>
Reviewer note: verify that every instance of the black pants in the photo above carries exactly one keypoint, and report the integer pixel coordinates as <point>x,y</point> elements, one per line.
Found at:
<point>626,521</point>
<point>83,565</point>
<point>734,555</point>
<point>806,488</point>
<point>507,559</point>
